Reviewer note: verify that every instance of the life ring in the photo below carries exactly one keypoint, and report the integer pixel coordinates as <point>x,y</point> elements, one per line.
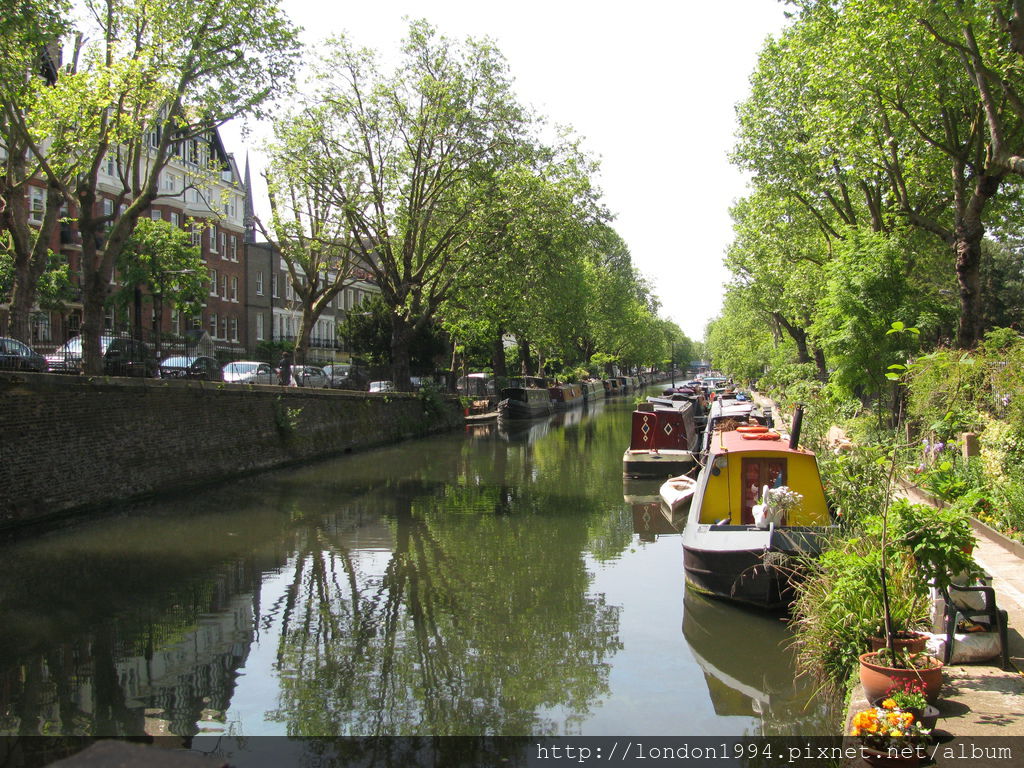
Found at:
<point>769,435</point>
<point>752,429</point>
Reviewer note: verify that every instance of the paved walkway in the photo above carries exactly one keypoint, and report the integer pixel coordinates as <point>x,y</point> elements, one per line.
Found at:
<point>981,705</point>
<point>981,709</point>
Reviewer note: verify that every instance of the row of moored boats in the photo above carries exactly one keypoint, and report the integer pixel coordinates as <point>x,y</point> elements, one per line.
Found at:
<point>529,397</point>
<point>748,498</point>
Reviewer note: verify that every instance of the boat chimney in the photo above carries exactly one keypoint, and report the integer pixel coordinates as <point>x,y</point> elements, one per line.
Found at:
<point>798,419</point>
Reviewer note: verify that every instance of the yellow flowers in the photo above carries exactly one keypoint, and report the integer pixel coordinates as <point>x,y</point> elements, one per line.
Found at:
<point>885,726</point>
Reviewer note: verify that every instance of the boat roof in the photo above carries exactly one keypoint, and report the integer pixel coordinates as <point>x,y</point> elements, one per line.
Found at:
<point>734,442</point>
<point>729,408</point>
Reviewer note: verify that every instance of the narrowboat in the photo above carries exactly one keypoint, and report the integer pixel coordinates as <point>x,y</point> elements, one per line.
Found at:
<point>593,389</point>
<point>526,398</point>
<point>565,396</point>
<point>723,412</point>
<point>663,441</point>
<point>758,504</point>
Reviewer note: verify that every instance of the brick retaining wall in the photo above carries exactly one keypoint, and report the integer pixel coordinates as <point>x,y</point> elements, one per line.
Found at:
<point>68,442</point>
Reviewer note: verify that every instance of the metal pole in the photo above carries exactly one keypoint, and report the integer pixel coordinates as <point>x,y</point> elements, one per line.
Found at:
<point>672,363</point>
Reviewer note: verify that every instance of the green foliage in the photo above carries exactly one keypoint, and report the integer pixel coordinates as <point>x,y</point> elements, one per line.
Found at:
<point>286,419</point>
<point>839,605</point>
<point>940,541</point>
<point>161,258</point>
<point>369,333</point>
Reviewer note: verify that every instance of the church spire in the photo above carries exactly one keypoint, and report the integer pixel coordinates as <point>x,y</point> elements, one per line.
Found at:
<point>249,220</point>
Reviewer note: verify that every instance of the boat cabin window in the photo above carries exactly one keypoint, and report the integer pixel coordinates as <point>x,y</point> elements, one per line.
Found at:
<point>758,473</point>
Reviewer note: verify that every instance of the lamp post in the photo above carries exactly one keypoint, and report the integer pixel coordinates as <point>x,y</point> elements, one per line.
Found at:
<point>672,364</point>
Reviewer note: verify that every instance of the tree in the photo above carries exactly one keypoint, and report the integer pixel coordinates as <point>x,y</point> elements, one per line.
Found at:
<point>528,281</point>
<point>161,259</point>
<point>369,333</point>
<point>931,137</point>
<point>308,227</point>
<point>415,156</point>
<point>143,81</point>
<point>29,214</point>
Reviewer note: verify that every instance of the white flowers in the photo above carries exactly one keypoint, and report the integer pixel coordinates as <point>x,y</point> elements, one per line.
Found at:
<point>775,504</point>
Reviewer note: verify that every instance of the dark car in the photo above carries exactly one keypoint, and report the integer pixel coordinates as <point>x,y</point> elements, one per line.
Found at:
<point>185,367</point>
<point>18,356</point>
<point>346,376</point>
<point>121,357</point>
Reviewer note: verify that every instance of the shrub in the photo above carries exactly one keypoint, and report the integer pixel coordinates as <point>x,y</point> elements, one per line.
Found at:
<point>839,605</point>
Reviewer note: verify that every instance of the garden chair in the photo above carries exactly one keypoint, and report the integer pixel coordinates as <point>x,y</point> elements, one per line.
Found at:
<point>989,616</point>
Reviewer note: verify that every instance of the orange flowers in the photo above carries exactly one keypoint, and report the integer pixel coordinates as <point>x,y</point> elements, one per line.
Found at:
<point>887,726</point>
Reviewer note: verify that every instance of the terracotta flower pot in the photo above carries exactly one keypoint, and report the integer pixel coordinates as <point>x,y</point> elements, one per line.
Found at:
<point>911,642</point>
<point>877,679</point>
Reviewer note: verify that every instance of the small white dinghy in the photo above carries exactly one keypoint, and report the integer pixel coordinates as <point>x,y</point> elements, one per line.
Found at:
<point>676,492</point>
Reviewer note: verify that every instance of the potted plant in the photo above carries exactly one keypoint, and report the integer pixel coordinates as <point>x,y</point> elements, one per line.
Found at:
<point>880,670</point>
<point>909,696</point>
<point>890,737</point>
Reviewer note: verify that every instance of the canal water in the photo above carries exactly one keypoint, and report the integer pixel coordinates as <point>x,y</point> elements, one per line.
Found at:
<point>485,582</point>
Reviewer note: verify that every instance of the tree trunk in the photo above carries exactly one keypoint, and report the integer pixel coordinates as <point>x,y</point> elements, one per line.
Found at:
<point>967,253</point>
<point>798,334</point>
<point>31,253</point>
<point>819,362</point>
<point>401,338</point>
<point>498,358</point>
<point>525,358</point>
<point>306,322</point>
<point>968,232</point>
<point>94,295</point>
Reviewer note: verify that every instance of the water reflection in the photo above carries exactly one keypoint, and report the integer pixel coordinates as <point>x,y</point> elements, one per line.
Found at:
<point>651,518</point>
<point>480,583</point>
<point>749,672</point>
<point>438,587</point>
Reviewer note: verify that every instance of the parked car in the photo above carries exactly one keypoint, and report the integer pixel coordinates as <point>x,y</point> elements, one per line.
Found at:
<point>121,357</point>
<point>249,372</point>
<point>382,386</point>
<point>185,367</point>
<point>18,356</point>
<point>309,376</point>
<point>346,376</point>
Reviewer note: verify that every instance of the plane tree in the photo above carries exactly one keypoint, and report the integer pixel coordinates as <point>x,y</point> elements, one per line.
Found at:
<point>308,227</point>
<point>525,279</point>
<point>29,215</point>
<point>931,133</point>
<point>416,155</point>
<point>139,82</point>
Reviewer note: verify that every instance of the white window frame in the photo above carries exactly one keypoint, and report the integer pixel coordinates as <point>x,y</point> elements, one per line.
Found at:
<point>234,289</point>
<point>213,325</point>
<point>36,204</point>
<point>260,321</point>
<point>259,283</point>
<point>213,282</point>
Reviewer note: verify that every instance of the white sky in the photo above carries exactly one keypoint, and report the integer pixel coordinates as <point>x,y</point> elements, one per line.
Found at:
<point>650,86</point>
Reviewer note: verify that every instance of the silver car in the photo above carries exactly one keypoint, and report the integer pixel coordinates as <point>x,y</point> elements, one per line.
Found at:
<point>310,376</point>
<point>249,372</point>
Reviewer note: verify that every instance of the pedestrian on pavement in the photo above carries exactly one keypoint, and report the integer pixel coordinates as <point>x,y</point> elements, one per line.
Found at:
<point>284,369</point>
